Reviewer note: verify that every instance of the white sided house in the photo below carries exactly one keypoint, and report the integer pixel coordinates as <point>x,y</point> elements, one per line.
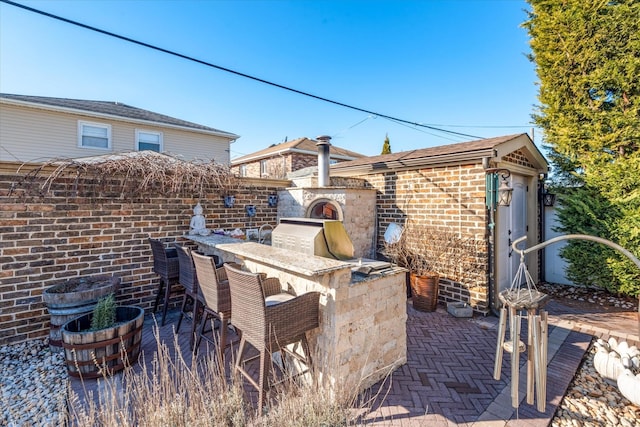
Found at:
<point>38,129</point>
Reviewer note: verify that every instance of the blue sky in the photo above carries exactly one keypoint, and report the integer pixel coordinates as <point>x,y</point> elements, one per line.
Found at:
<point>458,65</point>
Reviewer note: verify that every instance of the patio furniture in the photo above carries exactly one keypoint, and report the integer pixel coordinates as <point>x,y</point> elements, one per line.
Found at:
<point>189,281</point>
<point>213,292</point>
<point>165,265</point>
<point>269,322</point>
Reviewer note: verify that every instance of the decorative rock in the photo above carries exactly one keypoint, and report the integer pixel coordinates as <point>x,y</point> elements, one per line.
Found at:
<point>459,309</point>
<point>34,385</point>
<point>580,406</point>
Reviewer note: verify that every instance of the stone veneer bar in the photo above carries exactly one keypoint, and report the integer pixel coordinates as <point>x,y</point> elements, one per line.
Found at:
<point>362,335</point>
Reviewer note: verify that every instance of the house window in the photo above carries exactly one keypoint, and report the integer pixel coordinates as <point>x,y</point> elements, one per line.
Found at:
<point>263,168</point>
<point>94,135</point>
<point>147,140</point>
<point>243,170</point>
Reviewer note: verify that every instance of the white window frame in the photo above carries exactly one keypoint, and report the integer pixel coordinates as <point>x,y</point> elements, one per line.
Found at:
<point>243,170</point>
<point>264,168</point>
<point>82,124</point>
<point>151,132</point>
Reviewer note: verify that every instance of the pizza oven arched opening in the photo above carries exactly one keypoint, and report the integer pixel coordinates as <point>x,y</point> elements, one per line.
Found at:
<point>324,209</point>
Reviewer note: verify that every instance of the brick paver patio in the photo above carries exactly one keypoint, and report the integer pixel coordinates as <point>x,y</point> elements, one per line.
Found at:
<point>448,378</point>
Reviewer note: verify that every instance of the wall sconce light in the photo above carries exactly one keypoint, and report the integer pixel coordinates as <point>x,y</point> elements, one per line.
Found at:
<point>498,195</point>
<point>229,201</point>
<point>251,210</point>
<point>273,200</point>
<point>548,199</point>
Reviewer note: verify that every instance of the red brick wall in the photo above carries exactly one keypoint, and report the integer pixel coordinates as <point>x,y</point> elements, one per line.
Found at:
<point>44,240</point>
<point>450,198</point>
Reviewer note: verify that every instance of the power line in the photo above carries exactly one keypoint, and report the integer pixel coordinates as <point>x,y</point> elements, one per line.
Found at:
<point>228,70</point>
<point>479,126</point>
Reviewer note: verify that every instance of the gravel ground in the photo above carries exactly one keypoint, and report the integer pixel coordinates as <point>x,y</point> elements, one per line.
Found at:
<point>33,385</point>
<point>33,381</point>
<point>592,401</point>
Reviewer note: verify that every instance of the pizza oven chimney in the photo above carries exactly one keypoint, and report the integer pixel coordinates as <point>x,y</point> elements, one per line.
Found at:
<point>324,145</point>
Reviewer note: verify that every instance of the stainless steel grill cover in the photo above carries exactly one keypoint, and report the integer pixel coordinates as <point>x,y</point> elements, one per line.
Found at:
<point>321,237</point>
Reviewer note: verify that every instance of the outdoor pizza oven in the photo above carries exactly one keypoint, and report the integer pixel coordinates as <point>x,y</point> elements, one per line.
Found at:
<point>331,217</point>
<point>321,237</point>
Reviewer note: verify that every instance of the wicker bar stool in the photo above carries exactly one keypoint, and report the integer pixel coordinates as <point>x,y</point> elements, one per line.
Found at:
<point>165,265</point>
<point>213,293</point>
<point>189,280</point>
<point>267,326</point>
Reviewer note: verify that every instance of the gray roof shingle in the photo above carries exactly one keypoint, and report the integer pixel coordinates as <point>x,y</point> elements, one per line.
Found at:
<point>116,109</point>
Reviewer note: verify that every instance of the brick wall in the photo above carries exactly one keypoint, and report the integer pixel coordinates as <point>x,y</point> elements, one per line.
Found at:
<point>450,198</point>
<point>44,240</point>
<point>301,161</point>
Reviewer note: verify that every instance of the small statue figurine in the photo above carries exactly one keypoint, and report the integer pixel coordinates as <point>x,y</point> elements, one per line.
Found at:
<point>198,224</point>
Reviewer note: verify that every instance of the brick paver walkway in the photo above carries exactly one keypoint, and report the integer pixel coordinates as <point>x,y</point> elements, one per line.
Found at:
<point>448,378</point>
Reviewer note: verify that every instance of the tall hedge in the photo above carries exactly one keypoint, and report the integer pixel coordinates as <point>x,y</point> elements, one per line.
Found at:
<point>587,56</point>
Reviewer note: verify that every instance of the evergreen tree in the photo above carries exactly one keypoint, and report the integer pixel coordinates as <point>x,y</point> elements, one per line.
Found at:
<point>587,56</point>
<point>386,147</point>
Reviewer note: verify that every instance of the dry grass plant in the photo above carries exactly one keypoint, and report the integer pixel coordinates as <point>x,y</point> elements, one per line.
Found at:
<point>173,392</point>
<point>424,250</point>
<point>130,175</point>
<point>169,392</point>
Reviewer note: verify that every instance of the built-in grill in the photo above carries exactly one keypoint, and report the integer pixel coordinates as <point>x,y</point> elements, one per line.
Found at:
<point>321,237</point>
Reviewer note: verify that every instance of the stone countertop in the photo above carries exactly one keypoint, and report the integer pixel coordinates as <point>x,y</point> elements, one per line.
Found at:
<point>308,265</point>
<point>212,239</point>
<point>285,259</point>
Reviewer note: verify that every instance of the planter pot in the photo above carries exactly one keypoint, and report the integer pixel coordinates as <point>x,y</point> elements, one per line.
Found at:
<point>73,298</point>
<point>90,354</point>
<point>424,291</point>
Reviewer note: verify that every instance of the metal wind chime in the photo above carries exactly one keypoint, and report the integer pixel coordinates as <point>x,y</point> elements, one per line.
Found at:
<point>517,299</point>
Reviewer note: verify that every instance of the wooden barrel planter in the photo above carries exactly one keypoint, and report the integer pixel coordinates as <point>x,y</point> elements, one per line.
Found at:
<point>424,291</point>
<point>92,354</point>
<point>74,298</point>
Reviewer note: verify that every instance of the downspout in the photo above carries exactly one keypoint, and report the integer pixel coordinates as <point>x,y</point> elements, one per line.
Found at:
<point>542,274</point>
<point>490,227</point>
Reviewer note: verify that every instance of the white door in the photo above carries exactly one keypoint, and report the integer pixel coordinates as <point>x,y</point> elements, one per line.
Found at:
<point>511,224</point>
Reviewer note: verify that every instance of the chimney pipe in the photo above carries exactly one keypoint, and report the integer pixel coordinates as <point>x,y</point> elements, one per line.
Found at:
<point>323,145</point>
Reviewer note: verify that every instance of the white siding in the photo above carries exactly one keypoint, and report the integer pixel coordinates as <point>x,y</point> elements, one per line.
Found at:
<point>554,266</point>
<point>32,134</point>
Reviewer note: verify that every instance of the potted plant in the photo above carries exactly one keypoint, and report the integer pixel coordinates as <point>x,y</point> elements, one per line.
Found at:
<point>428,253</point>
<point>103,341</point>
<point>73,298</point>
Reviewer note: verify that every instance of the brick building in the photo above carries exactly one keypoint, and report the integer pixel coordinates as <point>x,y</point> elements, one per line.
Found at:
<point>278,160</point>
<point>446,187</point>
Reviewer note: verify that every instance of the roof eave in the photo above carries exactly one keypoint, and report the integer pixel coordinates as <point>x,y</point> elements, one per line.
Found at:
<point>396,165</point>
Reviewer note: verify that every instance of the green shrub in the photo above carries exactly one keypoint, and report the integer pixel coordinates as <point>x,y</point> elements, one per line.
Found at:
<point>104,314</point>
<point>584,210</point>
